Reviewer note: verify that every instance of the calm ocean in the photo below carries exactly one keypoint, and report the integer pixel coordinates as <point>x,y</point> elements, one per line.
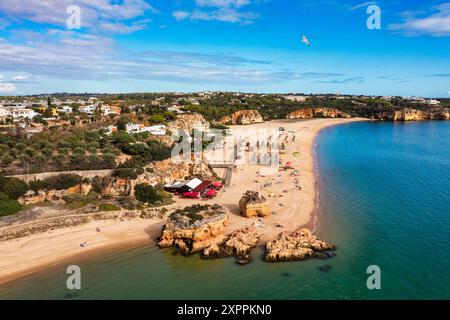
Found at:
<point>384,200</point>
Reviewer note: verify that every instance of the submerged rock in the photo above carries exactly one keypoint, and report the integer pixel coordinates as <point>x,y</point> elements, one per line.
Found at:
<point>325,268</point>
<point>298,245</point>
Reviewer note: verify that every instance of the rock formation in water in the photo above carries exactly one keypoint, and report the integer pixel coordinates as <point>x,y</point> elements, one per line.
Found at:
<point>238,244</point>
<point>298,245</point>
<point>242,117</point>
<point>252,204</point>
<point>200,229</point>
<point>414,115</point>
<point>317,113</point>
<point>195,228</point>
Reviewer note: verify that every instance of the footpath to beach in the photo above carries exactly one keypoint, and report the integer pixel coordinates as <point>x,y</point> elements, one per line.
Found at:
<point>294,209</point>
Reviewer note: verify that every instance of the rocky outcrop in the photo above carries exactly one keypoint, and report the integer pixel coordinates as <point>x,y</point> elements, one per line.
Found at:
<point>317,113</point>
<point>242,117</point>
<point>188,122</point>
<point>298,245</point>
<point>194,229</point>
<point>252,204</point>
<point>168,172</point>
<point>118,187</point>
<point>55,196</point>
<point>238,244</point>
<point>200,229</point>
<point>414,115</point>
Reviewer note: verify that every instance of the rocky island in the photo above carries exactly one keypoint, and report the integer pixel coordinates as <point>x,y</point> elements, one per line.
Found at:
<point>298,245</point>
<point>200,229</point>
<point>194,229</point>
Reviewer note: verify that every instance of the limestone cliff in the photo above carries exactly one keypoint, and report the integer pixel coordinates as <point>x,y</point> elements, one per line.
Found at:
<point>408,114</point>
<point>317,113</point>
<point>188,122</point>
<point>194,228</point>
<point>242,117</point>
<point>56,196</point>
<point>200,229</point>
<point>298,245</point>
<point>253,205</point>
<point>168,172</point>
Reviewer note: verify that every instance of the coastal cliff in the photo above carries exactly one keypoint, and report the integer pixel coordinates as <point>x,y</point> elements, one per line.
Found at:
<point>298,245</point>
<point>242,117</point>
<point>317,113</point>
<point>188,122</point>
<point>414,115</point>
<point>167,171</point>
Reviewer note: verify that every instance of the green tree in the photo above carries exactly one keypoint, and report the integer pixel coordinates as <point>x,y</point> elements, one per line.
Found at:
<point>122,122</point>
<point>147,194</point>
<point>7,159</point>
<point>14,188</point>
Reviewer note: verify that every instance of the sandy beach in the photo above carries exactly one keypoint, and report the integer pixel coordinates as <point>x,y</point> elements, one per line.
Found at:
<point>292,208</point>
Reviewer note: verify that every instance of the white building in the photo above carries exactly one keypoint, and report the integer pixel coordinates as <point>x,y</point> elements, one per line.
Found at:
<point>175,109</point>
<point>89,109</point>
<point>132,128</point>
<point>21,113</point>
<point>107,110</point>
<point>158,130</point>
<point>4,112</point>
<point>65,109</point>
<point>295,98</point>
<point>109,130</point>
<point>433,102</point>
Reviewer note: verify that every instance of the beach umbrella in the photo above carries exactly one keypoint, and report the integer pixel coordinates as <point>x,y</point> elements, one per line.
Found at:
<point>210,193</point>
<point>217,184</point>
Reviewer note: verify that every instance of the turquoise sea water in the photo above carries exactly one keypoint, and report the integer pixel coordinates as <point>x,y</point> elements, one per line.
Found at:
<point>384,200</point>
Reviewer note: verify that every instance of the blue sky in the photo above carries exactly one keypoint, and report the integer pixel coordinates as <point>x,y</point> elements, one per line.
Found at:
<point>233,45</point>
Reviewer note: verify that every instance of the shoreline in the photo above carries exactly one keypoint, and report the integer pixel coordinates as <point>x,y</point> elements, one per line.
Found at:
<point>62,245</point>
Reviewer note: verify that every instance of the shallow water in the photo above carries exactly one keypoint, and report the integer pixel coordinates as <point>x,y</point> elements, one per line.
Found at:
<point>384,199</point>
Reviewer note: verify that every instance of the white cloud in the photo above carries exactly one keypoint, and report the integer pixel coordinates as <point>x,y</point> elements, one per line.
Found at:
<point>1,77</point>
<point>7,87</point>
<point>180,15</point>
<point>94,13</point>
<point>224,15</point>
<point>21,78</point>
<point>219,10</point>
<point>124,28</point>
<point>71,55</point>
<point>222,3</point>
<point>436,24</point>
